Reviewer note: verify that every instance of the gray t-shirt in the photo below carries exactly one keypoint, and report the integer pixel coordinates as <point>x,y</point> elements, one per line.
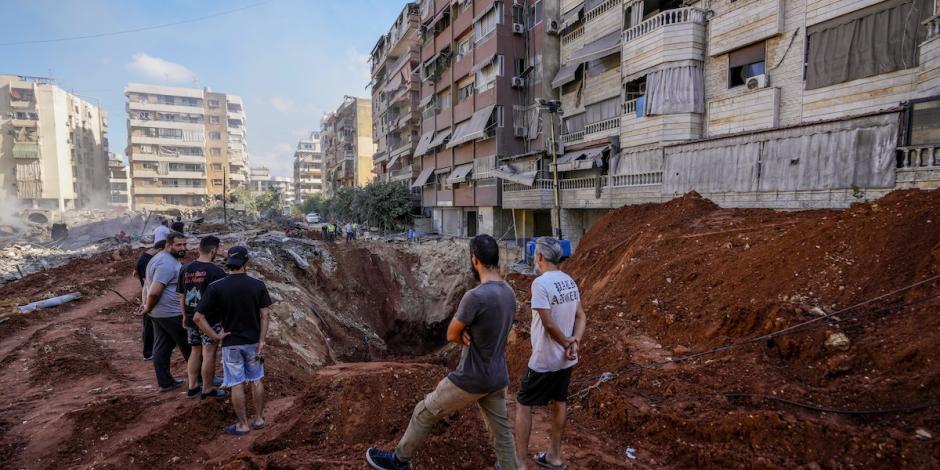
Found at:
<point>488,311</point>
<point>165,269</point>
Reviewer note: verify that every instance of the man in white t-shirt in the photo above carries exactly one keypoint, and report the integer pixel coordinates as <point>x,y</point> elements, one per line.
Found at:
<point>558,323</point>
<point>161,231</point>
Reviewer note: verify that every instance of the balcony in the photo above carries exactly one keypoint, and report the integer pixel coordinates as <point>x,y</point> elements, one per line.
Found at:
<point>169,174</point>
<point>26,151</point>
<point>163,108</point>
<point>402,174</point>
<point>169,190</point>
<point>571,42</point>
<point>919,166</point>
<point>672,35</point>
<point>593,131</point>
<point>659,129</point>
<point>603,191</point>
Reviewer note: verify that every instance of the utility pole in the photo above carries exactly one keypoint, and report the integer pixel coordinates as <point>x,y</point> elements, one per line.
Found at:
<point>554,108</point>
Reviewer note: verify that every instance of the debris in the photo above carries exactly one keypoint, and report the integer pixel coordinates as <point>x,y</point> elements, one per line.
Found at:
<point>631,453</point>
<point>923,434</point>
<point>837,342</point>
<point>298,260</point>
<point>49,303</point>
<point>818,312</point>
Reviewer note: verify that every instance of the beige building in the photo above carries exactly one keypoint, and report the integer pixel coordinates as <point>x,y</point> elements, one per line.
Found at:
<point>396,114</point>
<point>308,167</point>
<point>786,104</point>
<point>186,146</point>
<point>53,146</point>
<point>119,182</point>
<point>346,138</point>
<point>261,180</point>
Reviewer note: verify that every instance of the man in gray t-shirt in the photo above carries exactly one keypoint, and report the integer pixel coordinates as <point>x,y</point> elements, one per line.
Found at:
<point>481,325</point>
<point>161,303</point>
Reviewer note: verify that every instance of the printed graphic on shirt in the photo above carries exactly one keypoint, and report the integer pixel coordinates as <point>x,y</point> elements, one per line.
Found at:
<point>565,291</point>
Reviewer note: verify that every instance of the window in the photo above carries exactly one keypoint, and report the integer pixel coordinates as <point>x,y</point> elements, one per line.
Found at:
<point>487,23</point>
<point>596,67</point>
<point>520,67</point>
<point>518,14</point>
<point>486,78</point>
<point>465,92</point>
<point>464,47</point>
<point>574,123</point>
<point>215,136</point>
<point>924,122</point>
<point>216,167</point>
<point>498,116</point>
<point>215,151</point>
<point>146,149</point>
<point>444,100</point>
<point>217,182</point>
<point>213,103</point>
<point>875,40</point>
<point>745,63</point>
<point>535,14</point>
<point>215,120</point>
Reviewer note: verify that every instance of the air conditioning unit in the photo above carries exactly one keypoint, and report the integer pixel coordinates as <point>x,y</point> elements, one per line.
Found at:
<point>518,82</point>
<point>520,131</point>
<point>518,28</point>
<point>757,81</point>
<point>552,26</point>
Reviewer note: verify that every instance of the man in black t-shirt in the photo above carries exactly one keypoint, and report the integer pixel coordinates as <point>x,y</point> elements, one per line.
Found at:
<point>140,272</point>
<point>193,280</point>
<point>241,302</point>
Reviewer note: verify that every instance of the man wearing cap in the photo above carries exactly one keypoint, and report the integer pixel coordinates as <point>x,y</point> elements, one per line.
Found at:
<point>558,323</point>
<point>241,303</point>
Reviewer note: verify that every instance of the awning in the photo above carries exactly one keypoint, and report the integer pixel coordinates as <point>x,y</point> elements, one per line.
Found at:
<point>582,159</point>
<point>566,74</point>
<point>423,178</point>
<point>572,16</point>
<point>439,17</point>
<point>484,63</point>
<point>472,128</point>
<point>598,49</point>
<point>439,139</point>
<point>376,170</point>
<point>391,161</point>
<point>426,101</point>
<point>460,173</point>
<point>424,144</point>
<point>511,173</point>
<point>393,84</point>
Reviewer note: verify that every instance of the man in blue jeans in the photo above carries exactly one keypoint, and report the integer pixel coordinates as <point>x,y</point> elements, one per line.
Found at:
<point>241,303</point>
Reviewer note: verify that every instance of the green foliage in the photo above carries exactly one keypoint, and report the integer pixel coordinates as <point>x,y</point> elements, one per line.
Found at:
<point>382,205</point>
<point>269,202</point>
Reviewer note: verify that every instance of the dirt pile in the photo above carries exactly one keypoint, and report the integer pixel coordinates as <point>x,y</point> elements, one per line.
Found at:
<point>665,281</point>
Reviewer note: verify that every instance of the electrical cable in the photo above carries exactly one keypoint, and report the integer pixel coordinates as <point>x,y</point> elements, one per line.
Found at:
<point>135,30</point>
<point>826,409</point>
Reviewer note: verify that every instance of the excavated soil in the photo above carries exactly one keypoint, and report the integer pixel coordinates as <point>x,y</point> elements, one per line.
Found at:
<point>357,336</point>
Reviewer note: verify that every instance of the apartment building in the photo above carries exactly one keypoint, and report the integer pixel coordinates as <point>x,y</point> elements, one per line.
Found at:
<point>396,117</point>
<point>261,181</point>
<point>186,146</point>
<point>53,146</point>
<point>119,182</point>
<point>753,103</point>
<point>346,139</point>
<point>308,167</point>
<point>484,66</point>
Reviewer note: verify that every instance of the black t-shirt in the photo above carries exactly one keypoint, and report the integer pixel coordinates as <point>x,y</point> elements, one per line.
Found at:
<point>141,267</point>
<point>237,301</point>
<point>194,278</point>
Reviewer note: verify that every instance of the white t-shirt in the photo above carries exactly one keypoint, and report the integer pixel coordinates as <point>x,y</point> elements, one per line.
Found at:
<point>160,233</point>
<point>554,291</point>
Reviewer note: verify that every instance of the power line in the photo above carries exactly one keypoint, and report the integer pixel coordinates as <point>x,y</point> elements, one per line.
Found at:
<point>136,30</point>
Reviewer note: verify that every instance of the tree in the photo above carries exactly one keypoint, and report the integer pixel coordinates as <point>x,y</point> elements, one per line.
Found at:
<point>268,203</point>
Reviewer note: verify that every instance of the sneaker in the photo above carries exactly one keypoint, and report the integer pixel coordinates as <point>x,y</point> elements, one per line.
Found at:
<point>385,460</point>
<point>194,392</point>
<point>217,381</point>
<point>216,393</point>
<point>148,358</point>
<point>175,385</point>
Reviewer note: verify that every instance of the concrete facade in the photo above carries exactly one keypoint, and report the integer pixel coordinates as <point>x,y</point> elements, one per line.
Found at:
<point>308,167</point>
<point>261,180</point>
<point>186,146</point>
<point>119,182</point>
<point>53,146</point>
<point>348,147</point>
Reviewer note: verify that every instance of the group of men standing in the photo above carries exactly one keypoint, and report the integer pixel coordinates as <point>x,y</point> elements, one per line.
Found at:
<point>481,325</point>
<point>331,231</point>
<point>197,307</point>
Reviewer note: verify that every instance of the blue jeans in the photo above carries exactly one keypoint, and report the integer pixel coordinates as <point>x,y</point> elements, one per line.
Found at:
<point>241,364</point>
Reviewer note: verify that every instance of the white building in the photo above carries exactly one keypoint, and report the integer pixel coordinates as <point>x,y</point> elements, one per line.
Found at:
<point>308,167</point>
<point>53,148</point>
<point>261,180</point>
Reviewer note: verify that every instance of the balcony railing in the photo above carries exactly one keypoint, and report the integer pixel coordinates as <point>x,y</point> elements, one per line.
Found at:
<point>538,185</point>
<point>933,26</point>
<point>573,35</point>
<point>589,182</point>
<point>572,137</point>
<point>629,107</point>
<point>668,17</point>
<point>640,179</point>
<point>600,9</point>
<point>919,156</point>
<point>601,126</point>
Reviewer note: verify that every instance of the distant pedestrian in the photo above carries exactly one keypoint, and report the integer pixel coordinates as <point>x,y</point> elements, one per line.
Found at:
<point>349,232</point>
<point>558,323</point>
<point>162,230</point>
<point>194,278</point>
<point>355,231</point>
<point>411,234</point>
<point>140,272</point>
<point>481,325</point>
<point>241,302</point>
<point>323,229</point>
<point>178,226</point>
<point>163,306</point>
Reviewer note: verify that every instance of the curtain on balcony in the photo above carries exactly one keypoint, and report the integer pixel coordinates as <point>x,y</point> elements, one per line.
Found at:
<point>574,123</point>
<point>675,90</point>
<point>872,41</point>
<point>602,111</point>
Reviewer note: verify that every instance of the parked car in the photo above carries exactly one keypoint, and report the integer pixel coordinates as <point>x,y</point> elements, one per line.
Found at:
<point>312,218</point>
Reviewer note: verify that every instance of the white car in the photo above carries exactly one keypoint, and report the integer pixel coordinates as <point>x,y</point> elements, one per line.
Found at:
<point>312,218</point>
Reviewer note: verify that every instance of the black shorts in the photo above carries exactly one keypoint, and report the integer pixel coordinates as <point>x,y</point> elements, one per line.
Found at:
<point>539,388</point>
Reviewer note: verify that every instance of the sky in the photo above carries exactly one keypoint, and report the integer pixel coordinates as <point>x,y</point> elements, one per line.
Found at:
<point>289,60</point>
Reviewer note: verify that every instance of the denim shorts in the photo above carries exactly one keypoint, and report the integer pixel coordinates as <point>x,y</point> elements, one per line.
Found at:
<point>241,364</point>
